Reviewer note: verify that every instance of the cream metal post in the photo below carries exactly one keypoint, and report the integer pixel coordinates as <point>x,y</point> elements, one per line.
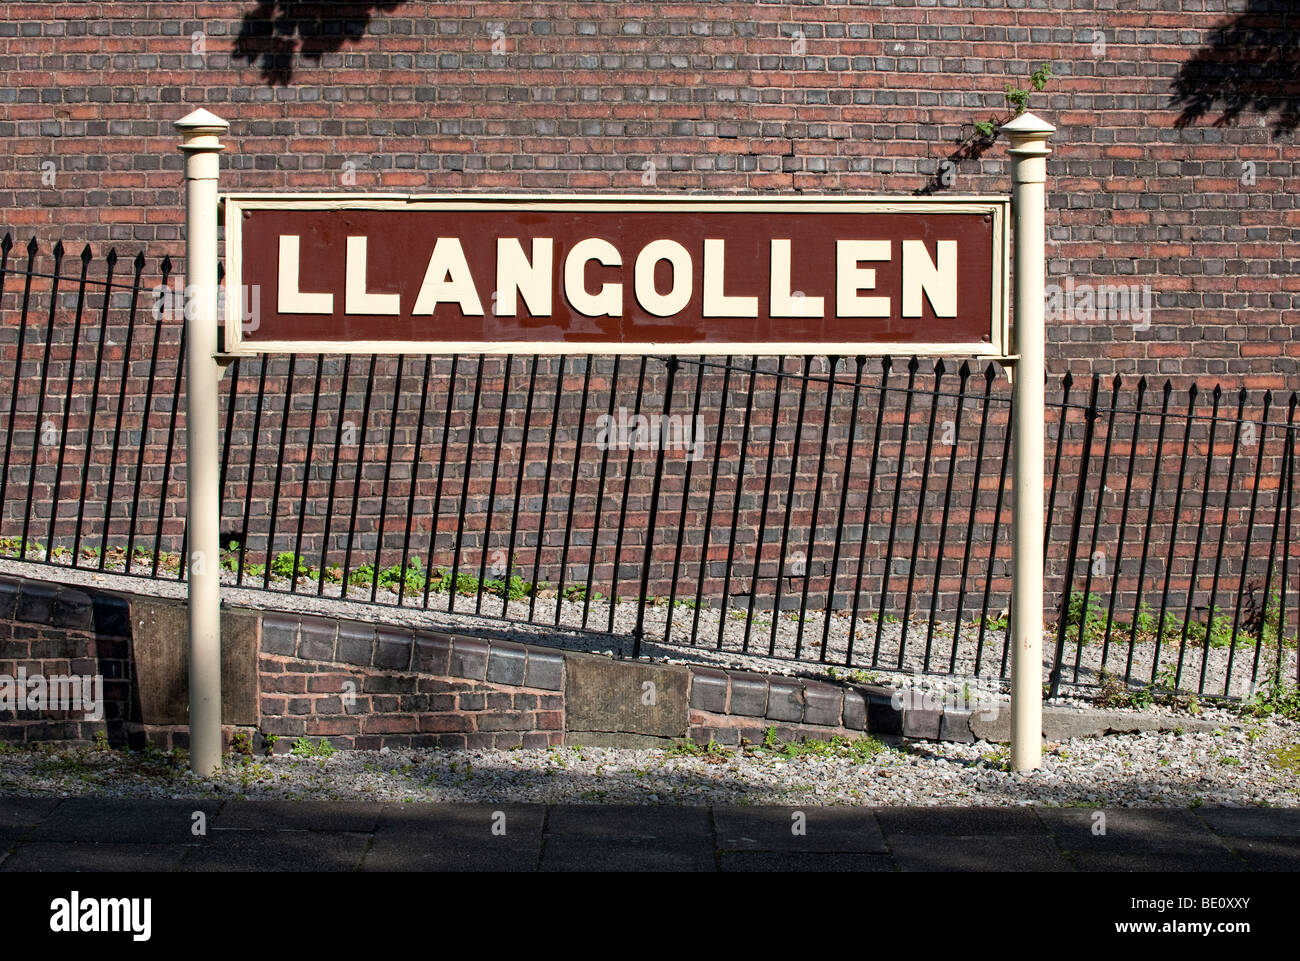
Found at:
<point>1029,150</point>
<point>200,141</point>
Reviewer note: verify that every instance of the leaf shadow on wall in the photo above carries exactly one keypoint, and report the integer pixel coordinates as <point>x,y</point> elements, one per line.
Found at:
<point>277,33</point>
<point>1249,65</point>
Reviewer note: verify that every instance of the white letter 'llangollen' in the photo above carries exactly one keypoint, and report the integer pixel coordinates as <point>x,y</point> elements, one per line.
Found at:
<point>679,294</point>
<point>716,301</point>
<point>938,282</point>
<point>606,301</point>
<point>358,300</point>
<point>850,278</point>
<point>516,275</point>
<point>783,301</point>
<point>291,300</point>
<point>448,280</point>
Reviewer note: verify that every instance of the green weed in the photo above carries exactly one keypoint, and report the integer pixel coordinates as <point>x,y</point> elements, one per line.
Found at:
<point>322,748</point>
<point>1277,698</point>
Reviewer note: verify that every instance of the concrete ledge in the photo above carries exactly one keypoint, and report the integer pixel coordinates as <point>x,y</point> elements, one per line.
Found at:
<point>603,694</point>
<point>162,662</point>
<point>1063,723</point>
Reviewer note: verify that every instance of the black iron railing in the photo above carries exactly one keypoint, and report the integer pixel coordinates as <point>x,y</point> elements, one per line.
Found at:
<point>843,511</point>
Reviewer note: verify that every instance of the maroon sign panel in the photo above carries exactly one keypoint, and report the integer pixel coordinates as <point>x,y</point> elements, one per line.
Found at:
<point>733,275</point>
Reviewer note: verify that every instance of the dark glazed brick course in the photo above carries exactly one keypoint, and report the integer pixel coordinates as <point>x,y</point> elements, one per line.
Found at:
<point>393,649</point>
<point>506,663</point>
<point>356,643</point>
<point>709,690</point>
<point>748,695</point>
<point>469,658</point>
<point>809,705</point>
<point>432,654</point>
<point>316,640</point>
<point>280,634</point>
<point>882,716</point>
<point>73,609</point>
<point>822,703</point>
<point>36,603</point>
<point>8,600</point>
<point>855,710</point>
<point>784,700</point>
<point>545,670</point>
<point>64,608</point>
<point>955,726</point>
<point>111,616</point>
<point>922,723</point>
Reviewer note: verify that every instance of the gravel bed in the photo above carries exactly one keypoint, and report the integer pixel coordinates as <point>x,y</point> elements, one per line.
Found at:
<point>1250,764</point>
<point>1259,765</point>
<point>484,614</point>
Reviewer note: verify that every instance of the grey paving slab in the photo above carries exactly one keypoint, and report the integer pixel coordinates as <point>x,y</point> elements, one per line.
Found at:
<point>1252,822</point>
<point>25,811</point>
<point>629,821</point>
<point>19,816</point>
<point>456,837</point>
<point>123,821</point>
<point>1267,854</point>
<point>1005,853</point>
<point>86,834</point>
<point>453,852</point>
<point>360,816</point>
<point>764,861</point>
<point>773,829</point>
<point>1163,862</point>
<point>277,851</point>
<point>86,856</point>
<point>960,822</point>
<point>460,820</point>
<point>627,854</point>
<point>1173,831</point>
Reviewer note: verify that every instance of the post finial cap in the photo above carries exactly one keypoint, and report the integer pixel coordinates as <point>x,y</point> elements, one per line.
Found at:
<point>201,132</point>
<point>1028,126</point>
<point>201,121</point>
<point>1028,135</point>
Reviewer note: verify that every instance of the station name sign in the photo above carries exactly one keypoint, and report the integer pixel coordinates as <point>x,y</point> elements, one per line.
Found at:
<point>615,274</point>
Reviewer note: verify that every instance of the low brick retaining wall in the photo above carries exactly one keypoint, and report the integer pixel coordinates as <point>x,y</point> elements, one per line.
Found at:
<point>50,632</point>
<point>359,685</point>
<point>367,686</point>
<point>726,706</point>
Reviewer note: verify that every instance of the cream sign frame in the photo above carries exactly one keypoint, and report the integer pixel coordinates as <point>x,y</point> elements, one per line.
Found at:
<point>240,212</point>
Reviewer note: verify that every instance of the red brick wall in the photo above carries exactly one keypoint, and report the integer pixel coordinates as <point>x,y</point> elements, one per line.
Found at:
<point>48,632</point>
<point>306,699</point>
<point>1170,169</point>
<point>367,688</point>
<point>768,97</point>
<point>303,700</point>
<point>358,686</point>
